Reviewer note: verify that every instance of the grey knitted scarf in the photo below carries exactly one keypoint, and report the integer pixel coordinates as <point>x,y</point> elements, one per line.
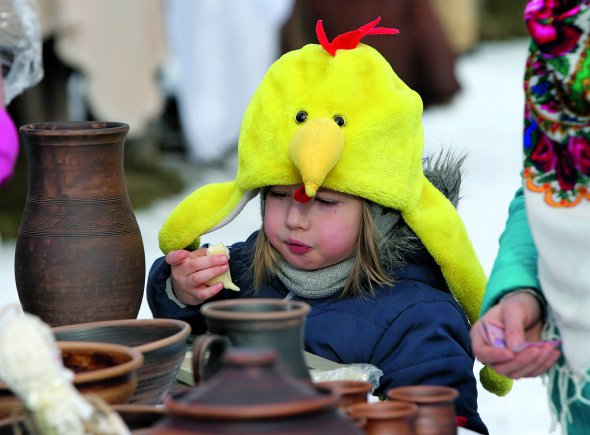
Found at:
<point>396,239</point>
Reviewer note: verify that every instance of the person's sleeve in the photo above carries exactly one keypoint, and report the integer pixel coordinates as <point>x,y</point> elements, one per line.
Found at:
<point>428,344</point>
<point>515,266</point>
<point>162,306</point>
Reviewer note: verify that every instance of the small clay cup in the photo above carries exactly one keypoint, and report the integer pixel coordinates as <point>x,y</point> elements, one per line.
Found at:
<point>351,392</point>
<point>384,418</point>
<point>436,408</point>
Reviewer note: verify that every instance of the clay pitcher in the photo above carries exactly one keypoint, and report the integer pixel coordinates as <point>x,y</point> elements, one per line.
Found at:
<point>254,323</point>
<point>436,407</point>
<point>79,253</point>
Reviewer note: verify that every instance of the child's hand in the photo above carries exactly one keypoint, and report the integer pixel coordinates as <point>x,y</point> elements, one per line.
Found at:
<point>192,270</point>
<point>520,318</point>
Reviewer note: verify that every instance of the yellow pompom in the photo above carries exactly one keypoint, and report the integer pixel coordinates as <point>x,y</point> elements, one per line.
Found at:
<point>495,383</point>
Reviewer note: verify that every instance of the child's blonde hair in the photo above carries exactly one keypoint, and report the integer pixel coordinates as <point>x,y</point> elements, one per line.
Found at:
<point>366,272</point>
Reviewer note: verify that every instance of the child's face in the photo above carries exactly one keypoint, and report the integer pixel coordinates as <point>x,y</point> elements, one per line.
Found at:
<point>319,233</point>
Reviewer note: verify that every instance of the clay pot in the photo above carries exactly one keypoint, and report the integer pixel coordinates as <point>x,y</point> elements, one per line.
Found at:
<point>436,408</point>
<point>252,394</point>
<point>105,370</point>
<point>162,343</point>
<point>351,392</point>
<point>79,254</point>
<point>254,323</point>
<point>385,418</point>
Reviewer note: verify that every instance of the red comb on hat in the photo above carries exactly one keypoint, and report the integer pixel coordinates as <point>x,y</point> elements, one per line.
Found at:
<point>350,40</point>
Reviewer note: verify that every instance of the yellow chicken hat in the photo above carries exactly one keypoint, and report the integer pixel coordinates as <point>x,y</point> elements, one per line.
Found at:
<point>336,115</point>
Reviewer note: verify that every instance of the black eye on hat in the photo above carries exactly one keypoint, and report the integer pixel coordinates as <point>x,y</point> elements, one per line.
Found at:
<point>339,120</point>
<point>301,116</point>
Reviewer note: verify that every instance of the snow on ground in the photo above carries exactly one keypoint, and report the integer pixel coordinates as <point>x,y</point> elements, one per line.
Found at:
<point>484,120</point>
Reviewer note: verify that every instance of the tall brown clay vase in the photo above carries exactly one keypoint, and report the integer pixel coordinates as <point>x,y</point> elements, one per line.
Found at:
<point>79,253</point>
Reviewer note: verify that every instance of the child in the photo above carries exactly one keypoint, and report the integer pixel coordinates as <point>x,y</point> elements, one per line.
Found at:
<point>540,279</point>
<point>332,140</point>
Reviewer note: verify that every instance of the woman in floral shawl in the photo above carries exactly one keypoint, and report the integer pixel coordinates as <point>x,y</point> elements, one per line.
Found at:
<point>540,285</point>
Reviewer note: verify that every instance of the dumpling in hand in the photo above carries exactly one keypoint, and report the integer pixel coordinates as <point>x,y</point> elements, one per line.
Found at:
<point>224,278</point>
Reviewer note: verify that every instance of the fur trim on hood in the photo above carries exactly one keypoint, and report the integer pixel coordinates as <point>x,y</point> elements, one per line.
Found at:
<point>445,171</point>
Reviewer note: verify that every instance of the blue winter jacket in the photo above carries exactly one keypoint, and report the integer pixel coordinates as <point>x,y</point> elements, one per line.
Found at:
<point>414,331</point>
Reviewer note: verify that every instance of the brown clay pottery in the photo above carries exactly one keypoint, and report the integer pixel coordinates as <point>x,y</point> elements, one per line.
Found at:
<point>385,418</point>
<point>436,408</point>
<point>253,323</point>
<point>162,343</point>
<point>252,394</point>
<point>105,370</point>
<point>350,391</point>
<point>79,254</point>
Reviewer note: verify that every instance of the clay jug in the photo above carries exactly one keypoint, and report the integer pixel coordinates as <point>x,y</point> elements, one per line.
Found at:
<point>252,394</point>
<point>79,253</point>
<point>436,408</point>
<point>385,418</point>
<point>255,323</point>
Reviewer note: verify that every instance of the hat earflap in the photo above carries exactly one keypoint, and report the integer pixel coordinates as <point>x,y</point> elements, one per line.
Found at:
<point>206,209</point>
<point>438,225</point>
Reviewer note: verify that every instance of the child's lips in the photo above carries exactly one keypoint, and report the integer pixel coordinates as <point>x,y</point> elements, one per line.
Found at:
<point>296,247</point>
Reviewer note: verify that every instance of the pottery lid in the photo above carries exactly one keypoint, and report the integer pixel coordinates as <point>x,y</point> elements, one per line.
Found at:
<point>250,386</point>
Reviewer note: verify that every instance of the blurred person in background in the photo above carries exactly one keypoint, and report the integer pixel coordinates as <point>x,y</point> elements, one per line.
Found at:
<point>538,291</point>
<point>220,50</point>
<point>20,58</point>
<point>428,43</point>
<point>8,140</point>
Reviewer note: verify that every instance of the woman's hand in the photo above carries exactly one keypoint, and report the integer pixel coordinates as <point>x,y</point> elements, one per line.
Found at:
<point>192,270</point>
<point>520,317</point>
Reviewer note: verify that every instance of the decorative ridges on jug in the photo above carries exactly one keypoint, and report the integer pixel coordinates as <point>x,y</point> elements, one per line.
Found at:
<point>76,217</point>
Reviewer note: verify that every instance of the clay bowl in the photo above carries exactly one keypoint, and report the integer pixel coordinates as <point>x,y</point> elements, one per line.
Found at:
<point>138,418</point>
<point>102,369</point>
<point>161,341</point>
